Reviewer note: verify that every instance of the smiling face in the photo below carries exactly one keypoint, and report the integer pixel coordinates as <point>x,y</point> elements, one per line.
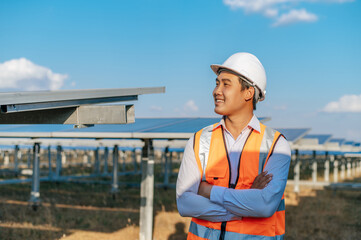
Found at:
<point>229,98</point>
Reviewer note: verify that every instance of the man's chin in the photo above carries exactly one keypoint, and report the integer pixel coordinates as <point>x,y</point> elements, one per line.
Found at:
<point>219,111</point>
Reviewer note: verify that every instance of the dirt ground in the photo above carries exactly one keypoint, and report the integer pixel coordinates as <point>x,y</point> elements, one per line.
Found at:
<point>88,211</point>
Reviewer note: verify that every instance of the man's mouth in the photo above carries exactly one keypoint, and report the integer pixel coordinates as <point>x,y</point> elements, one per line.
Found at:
<point>219,101</point>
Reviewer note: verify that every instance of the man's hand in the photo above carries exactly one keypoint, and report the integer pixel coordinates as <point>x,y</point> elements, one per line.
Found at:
<point>261,181</point>
<point>205,189</point>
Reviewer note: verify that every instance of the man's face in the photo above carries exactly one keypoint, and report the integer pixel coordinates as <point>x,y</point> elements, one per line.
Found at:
<point>228,95</point>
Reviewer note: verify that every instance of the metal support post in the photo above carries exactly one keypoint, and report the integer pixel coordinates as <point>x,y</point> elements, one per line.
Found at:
<point>49,163</point>
<point>124,156</point>
<point>35,184</point>
<point>115,170</point>
<point>29,158</point>
<point>353,168</point>
<point>16,161</point>
<point>314,168</point>
<point>166,166</point>
<point>147,192</point>
<point>296,171</point>
<point>58,161</point>
<point>134,154</point>
<point>88,158</point>
<point>348,168</point>
<point>85,158</point>
<point>97,164</point>
<point>327,168</point>
<point>63,158</point>
<point>342,176</point>
<point>140,161</point>
<point>170,163</point>
<point>335,171</point>
<point>139,158</point>
<point>106,154</point>
<point>6,159</point>
<point>178,156</point>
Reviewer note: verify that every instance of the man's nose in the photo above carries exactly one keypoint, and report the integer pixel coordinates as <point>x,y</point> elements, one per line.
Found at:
<point>218,90</point>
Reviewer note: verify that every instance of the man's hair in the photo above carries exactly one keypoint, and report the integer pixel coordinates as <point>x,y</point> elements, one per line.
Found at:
<point>246,85</point>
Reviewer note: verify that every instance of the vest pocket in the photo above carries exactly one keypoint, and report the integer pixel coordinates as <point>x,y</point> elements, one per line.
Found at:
<point>217,176</point>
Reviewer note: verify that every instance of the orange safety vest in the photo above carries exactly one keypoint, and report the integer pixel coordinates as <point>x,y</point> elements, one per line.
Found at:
<point>213,163</point>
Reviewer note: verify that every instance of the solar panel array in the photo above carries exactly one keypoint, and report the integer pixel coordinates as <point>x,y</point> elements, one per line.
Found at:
<point>153,126</point>
<point>322,138</point>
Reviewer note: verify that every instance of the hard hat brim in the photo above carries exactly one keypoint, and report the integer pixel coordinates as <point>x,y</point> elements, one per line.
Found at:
<point>216,67</point>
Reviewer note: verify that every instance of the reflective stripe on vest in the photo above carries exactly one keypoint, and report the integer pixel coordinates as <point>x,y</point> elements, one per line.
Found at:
<point>204,145</point>
<point>213,163</point>
<point>196,230</point>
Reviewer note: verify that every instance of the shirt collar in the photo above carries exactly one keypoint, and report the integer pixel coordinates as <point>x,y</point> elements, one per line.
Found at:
<point>254,124</point>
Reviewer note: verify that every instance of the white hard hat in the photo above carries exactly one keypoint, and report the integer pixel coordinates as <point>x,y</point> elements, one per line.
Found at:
<point>248,66</point>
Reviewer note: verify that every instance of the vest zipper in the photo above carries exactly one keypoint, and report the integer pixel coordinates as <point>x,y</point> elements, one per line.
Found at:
<point>229,162</point>
<point>240,156</point>
<point>224,224</point>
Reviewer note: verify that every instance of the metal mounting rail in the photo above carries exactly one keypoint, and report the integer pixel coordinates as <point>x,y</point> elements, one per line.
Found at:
<point>29,101</point>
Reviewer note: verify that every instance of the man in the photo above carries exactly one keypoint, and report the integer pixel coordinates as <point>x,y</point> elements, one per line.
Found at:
<point>233,173</point>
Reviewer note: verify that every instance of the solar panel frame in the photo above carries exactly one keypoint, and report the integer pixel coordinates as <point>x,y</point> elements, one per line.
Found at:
<point>322,138</point>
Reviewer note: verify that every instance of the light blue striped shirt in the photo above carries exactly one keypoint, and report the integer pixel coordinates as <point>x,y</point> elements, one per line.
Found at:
<point>227,204</point>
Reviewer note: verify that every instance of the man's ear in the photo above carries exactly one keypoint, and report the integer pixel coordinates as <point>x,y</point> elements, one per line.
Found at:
<point>249,93</point>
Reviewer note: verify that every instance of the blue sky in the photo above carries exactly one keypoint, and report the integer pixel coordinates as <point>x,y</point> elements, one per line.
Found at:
<point>311,50</point>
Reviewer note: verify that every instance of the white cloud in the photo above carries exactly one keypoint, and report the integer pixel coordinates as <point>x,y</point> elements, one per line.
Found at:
<point>256,6</point>
<point>347,103</point>
<point>190,106</point>
<point>295,16</point>
<point>22,74</point>
<point>282,11</point>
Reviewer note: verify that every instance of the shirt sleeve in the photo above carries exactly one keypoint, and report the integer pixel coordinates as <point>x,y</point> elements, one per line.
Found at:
<point>189,203</point>
<point>258,202</point>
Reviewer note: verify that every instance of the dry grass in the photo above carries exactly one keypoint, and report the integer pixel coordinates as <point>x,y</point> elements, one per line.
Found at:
<point>324,214</point>
<point>86,211</point>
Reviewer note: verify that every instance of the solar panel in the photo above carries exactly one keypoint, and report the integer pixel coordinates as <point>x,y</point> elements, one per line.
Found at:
<point>337,140</point>
<point>189,126</point>
<point>142,125</point>
<point>34,128</point>
<point>156,125</point>
<point>350,143</point>
<point>293,134</point>
<point>322,138</point>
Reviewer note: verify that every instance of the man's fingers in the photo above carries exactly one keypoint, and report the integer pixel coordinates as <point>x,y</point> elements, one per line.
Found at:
<point>262,180</point>
<point>261,176</point>
<point>266,179</point>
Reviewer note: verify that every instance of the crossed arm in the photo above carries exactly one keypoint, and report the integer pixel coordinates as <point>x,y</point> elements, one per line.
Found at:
<point>214,203</point>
